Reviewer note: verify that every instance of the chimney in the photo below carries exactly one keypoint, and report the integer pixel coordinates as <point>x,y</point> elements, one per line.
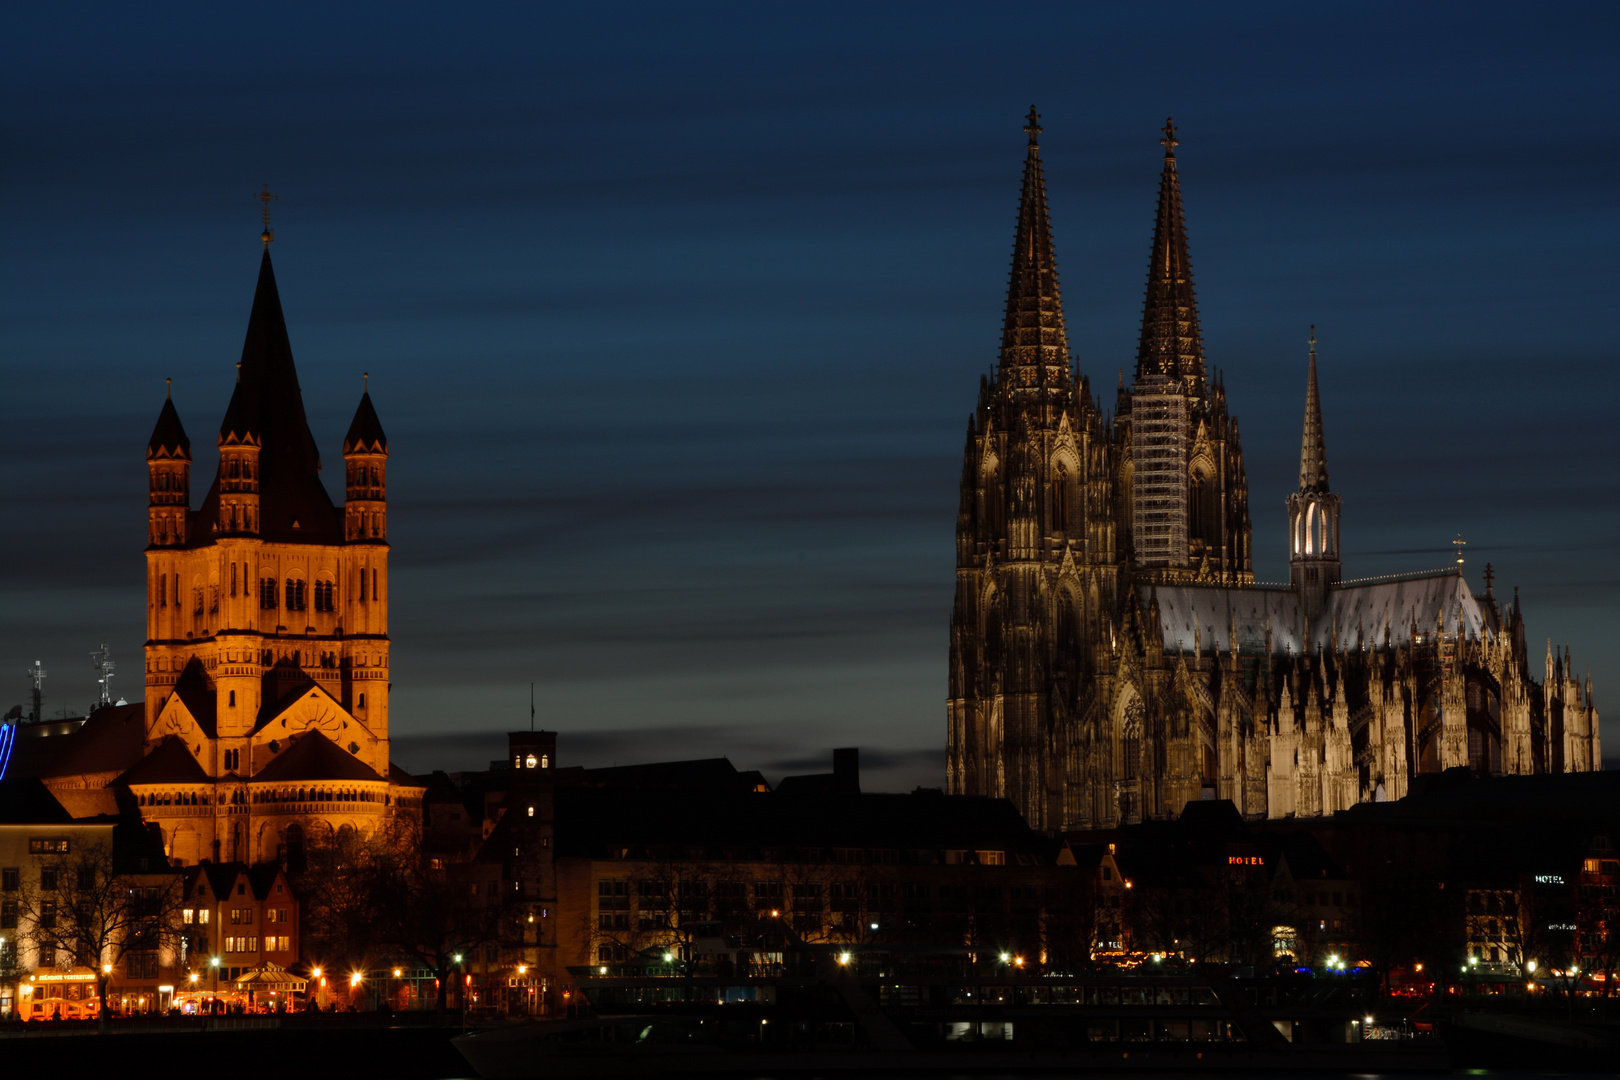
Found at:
<point>847,769</point>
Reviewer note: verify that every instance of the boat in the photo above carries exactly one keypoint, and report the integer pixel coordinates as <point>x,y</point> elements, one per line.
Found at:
<point>769,1003</point>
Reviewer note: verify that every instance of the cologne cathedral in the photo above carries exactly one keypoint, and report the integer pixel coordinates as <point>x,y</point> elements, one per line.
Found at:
<point>265,720</point>
<point>1112,657</point>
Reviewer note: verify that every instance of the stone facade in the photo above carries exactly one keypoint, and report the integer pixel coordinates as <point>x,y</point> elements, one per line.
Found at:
<point>1112,657</point>
<point>267,651</point>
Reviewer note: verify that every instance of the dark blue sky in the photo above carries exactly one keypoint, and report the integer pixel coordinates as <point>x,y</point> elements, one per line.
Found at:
<point>675,314</point>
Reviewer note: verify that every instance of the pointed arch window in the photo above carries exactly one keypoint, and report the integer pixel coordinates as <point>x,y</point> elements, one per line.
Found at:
<point>1060,500</point>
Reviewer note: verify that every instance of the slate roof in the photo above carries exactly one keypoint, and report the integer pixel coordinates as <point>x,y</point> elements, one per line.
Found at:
<point>168,436</point>
<point>196,691</point>
<point>171,763</point>
<point>111,740</point>
<point>26,801</point>
<point>267,407</point>
<point>592,822</point>
<point>365,430</point>
<point>312,756</point>
<point>1193,615</point>
<point>697,775</point>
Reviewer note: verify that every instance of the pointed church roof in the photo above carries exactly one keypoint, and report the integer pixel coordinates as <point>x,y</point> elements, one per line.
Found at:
<point>267,407</point>
<point>312,756</point>
<point>171,763</point>
<point>1034,343</point>
<point>365,430</point>
<point>168,436</point>
<point>1172,343</point>
<point>1313,472</point>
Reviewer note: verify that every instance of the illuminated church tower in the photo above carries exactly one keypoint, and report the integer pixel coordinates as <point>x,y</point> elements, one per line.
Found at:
<point>267,651</point>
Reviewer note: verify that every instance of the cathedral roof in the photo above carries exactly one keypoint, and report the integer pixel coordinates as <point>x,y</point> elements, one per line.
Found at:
<point>312,756</point>
<point>1172,343</point>
<point>1313,472</point>
<point>1202,615</point>
<point>365,430</point>
<point>168,436</point>
<point>267,408</point>
<point>171,763</point>
<point>1034,343</point>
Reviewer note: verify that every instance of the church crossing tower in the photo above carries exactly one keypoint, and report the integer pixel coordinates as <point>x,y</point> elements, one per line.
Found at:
<point>267,652</point>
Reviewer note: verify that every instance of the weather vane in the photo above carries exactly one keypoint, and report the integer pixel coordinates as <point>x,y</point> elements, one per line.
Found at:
<point>266,198</point>
<point>1169,142</point>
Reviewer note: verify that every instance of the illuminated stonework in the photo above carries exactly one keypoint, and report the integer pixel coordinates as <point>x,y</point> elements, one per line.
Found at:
<point>267,651</point>
<point>1111,656</point>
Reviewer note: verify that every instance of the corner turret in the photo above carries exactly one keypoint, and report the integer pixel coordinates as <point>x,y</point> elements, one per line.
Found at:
<point>365,453</point>
<point>168,466</point>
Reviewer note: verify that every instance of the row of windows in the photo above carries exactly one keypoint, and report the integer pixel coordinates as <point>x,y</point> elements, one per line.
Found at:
<point>270,592</point>
<point>614,895</point>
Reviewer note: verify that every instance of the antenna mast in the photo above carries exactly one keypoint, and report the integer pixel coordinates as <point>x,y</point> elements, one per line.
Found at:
<point>531,706</point>
<point>37,673</point>
<point>102,662</point>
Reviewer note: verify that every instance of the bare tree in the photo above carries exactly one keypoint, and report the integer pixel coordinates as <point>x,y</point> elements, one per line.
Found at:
<point>86,906</point>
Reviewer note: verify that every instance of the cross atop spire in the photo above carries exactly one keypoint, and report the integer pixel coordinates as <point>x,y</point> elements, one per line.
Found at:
<point>1172,343</point>
<point>266,198</point>
<point>1313,473</point>
<point>1034,343</point>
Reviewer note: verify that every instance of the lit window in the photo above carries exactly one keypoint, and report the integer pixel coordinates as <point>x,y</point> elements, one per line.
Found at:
<point>531,811</point>
<point>545,761</point>
<point>186,915</point>
<point>530,762</point>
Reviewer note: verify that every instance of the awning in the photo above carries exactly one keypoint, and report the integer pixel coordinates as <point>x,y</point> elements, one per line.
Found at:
<point>269,976</point>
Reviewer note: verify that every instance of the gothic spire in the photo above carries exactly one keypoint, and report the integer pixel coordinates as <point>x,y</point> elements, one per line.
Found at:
<point>1034,344</point>
<point>1171,342</point>
<point>1313,472</point>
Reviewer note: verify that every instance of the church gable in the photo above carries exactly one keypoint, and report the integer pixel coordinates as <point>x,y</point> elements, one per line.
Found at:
<point>310,709</point>
<point>176,720</point>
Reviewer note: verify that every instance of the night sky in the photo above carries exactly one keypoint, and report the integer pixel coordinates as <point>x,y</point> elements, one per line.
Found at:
<point>675,315</point>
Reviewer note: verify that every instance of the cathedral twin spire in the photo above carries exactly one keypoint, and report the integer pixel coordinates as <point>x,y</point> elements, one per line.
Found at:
<point>1172,343</point>
<point>1034,343</point>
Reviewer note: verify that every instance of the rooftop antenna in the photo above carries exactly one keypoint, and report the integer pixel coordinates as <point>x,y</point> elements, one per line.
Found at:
<point>103,663</point>
<point>266,198</point>
<point>531,707</point>
<point>37,673</point>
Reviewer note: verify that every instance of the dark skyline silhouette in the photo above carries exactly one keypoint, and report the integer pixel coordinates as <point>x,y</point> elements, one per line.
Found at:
<point>674,319</point>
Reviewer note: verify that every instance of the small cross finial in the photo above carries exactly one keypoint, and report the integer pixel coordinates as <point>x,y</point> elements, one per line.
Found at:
<point>1032,125</point>
<point>266,198</point>
<point>365,382</point>
<point>1169,142</point>
<point>168,388</point>
<point>1459,543</point>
